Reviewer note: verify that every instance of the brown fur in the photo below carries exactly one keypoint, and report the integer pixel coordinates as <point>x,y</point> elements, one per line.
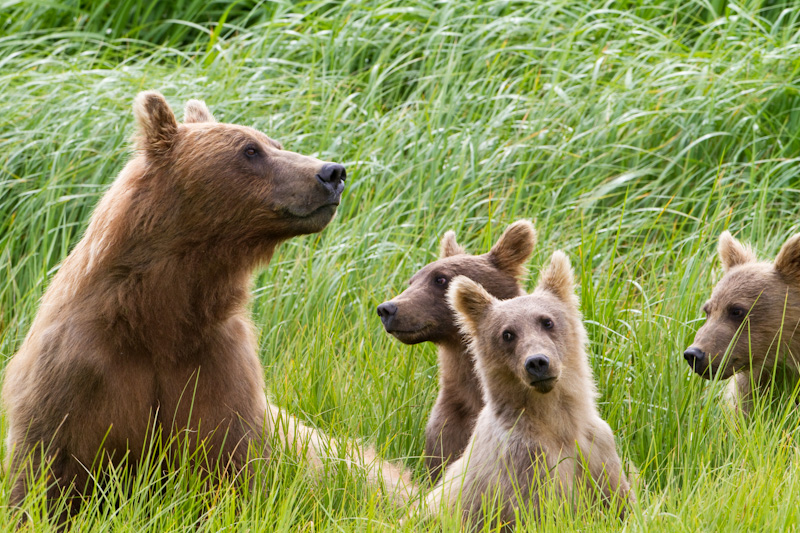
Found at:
<point>536,435</point>
<point>752,319</point>
<point>145,323</point>
<point>423,315</point>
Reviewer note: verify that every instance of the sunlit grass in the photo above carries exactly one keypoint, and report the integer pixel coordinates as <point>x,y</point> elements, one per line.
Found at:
<point>632,134</point>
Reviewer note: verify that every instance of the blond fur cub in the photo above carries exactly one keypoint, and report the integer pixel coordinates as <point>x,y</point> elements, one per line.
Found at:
<point>539,432</point>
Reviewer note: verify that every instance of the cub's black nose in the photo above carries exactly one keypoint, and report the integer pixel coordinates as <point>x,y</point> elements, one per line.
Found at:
<point>387,311</point>
<point>332,176</point>
<point>694,355</point>
<point>537,365</point>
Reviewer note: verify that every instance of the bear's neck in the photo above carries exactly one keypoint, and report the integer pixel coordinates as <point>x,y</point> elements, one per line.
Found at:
<point>457,377</point>
<point>156,293</point>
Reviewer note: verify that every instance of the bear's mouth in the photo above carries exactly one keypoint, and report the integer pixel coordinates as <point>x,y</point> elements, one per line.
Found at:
<point>410,336</point>
<point>328,208</point>
<point>710,370</point>
<point>544,385</point>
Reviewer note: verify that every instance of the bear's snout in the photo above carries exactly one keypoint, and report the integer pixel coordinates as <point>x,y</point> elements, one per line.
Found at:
<point>538,366</point>
<point>387,311</point>
<point>332,176</point>
<point>697,359</point>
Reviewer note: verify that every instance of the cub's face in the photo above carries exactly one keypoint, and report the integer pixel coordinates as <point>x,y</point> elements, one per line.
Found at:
<point>743,317</point>
<point>751,315</point>
<point>235,179</point>
<point>522,343</point>
<point>528,344</point>
<point>421,313</point>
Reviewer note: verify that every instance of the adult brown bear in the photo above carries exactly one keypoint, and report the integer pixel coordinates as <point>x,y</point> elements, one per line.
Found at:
<point>145,327</point>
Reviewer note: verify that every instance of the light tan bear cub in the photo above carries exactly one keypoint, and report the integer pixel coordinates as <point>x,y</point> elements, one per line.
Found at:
<point>146,325</point>
<point>539,432</point>
<point>752,320</point>
<point>421,314</point>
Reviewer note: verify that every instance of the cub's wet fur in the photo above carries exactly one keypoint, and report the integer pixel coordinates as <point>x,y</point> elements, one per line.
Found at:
<point>421,314</point>
<point>751,322</point>
<point>539,432</point>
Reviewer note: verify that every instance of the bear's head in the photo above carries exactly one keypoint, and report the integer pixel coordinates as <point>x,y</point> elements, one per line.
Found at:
<point>753,311</point>
<point>420,313</point>
<point>527,345</point>
<point>233,181</point>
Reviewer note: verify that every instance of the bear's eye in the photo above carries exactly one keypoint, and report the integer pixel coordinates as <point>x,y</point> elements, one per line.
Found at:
<point>547,323</point>
<point>508,336</point>
<point>737,312</point>
<point>441,280</point>
<point>250,151</point>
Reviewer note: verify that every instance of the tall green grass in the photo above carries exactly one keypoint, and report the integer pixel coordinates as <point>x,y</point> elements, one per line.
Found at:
<point>633,133</point>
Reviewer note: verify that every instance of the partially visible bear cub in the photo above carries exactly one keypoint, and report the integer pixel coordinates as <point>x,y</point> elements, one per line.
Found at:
<point>421,314</point>
<point>145,330</point>
<point>539,432</point>
<point>752,320</point>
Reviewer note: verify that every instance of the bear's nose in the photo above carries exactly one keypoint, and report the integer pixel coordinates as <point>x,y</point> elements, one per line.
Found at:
<point>387,311</point>
<point>537,365</point>
<point>332,176</point>
<point>694,355</point>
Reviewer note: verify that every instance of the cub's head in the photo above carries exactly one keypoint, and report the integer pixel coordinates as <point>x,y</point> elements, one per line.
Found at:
<point>753,311</point>
<point>420,313</point>
<point>233,180</point>
<point>526,345</point>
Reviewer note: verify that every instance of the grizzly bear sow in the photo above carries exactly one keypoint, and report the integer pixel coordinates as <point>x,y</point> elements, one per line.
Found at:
<point>144,326</point>
<point>539,432</point>
<point>751,320</point>
<point>421,314</point>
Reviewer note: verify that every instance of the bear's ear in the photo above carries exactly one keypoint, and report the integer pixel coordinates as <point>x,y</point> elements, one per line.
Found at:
<point>559,279</point>
<point>470,301</point>
<point>197,111</point>
<point>157,124</point>
<point>448,246</point>
<point>514,247</point>
<point>733,253</point>
<point>788,260</point>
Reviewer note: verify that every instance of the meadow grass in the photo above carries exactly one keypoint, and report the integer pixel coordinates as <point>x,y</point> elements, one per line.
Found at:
<point>632,133</point>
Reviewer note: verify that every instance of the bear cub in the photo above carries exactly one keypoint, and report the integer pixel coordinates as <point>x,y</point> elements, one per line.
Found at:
<point>421,314</point>
<point>539,432</point>
<point>751,320</point>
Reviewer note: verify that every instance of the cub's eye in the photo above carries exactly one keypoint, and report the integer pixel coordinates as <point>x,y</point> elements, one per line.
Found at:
<point>737,312</point>
<point>508,336</point>
<point>547,323</point>
<point>440,280</point>
<point>251,151</point>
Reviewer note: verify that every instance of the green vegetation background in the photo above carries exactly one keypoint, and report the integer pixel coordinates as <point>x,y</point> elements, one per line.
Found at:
<point>632,133</point>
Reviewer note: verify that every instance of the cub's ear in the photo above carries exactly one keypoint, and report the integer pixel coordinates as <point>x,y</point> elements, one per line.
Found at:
<point>157,124</point>
<point>733,253</point>
<point>514,247</point>
<point>788,260</point>
<point>559,279</point>
<point>470,301</point>
<point>448,246</point>
<point>197,111</point>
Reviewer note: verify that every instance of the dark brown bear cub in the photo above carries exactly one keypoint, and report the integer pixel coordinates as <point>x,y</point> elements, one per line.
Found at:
<point>151,304</point>
<point>752,320</point>
<point>421,314</point>
<point>539,432</point>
